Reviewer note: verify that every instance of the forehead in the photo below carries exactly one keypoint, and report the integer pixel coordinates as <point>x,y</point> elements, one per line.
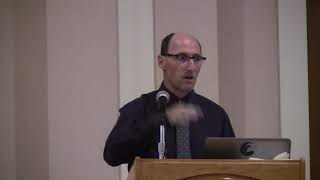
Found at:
<point>184,43</point>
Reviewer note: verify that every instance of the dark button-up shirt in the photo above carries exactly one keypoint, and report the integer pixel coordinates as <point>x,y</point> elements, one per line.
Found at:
<point>136,132</point>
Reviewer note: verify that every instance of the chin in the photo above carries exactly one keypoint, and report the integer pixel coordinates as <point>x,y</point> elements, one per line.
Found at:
<point>188,88</point>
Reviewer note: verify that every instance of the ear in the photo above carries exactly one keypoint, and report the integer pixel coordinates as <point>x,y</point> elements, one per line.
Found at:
<point>161,62</point>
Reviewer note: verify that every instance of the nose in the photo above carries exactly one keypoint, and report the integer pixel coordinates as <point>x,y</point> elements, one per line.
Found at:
<point>191,65</point>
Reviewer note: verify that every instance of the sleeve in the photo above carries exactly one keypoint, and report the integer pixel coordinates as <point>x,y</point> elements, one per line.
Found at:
<point>227,127</point>
<point>129,137</point>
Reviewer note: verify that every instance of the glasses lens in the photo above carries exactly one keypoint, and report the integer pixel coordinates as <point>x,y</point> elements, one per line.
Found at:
<point>197,58</point>
<point>182,57</point>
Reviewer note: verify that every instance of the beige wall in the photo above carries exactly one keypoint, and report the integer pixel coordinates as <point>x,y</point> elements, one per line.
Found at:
<point>7,120</point>
<point>293,63</point>
<point>136,58</point>
<point>31,103</point>
<point>231,62</point>
<point>248,66</point>
<point>261,68</point>
<point>59,83</point>
<point>82,87</point>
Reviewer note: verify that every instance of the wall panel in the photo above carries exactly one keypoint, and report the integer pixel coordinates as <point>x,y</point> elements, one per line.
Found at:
<point>82,87</point>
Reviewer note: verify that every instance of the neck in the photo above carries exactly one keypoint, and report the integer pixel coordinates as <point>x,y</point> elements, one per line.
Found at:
<point>176,92</point>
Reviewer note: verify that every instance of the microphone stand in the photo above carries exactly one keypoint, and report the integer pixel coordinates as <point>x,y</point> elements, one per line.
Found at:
<point>162,143</point>
<point>162,99</point>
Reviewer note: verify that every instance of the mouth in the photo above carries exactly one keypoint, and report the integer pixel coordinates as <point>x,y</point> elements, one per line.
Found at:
<point>188,77</point>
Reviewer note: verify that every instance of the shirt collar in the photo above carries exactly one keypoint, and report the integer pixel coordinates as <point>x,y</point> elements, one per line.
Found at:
<point>174,98</point>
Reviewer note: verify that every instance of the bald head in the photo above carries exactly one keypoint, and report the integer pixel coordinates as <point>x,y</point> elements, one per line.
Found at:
<point>174,38</point>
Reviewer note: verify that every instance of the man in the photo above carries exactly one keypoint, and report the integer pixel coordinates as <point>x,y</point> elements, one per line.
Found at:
<point>191,117</point>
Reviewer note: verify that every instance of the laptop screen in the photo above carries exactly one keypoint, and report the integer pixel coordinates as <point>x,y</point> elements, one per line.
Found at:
<point>244,148</point>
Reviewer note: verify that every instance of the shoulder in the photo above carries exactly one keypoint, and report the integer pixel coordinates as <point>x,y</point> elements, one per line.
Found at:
<point>139,103</point>
<point>207,103</point>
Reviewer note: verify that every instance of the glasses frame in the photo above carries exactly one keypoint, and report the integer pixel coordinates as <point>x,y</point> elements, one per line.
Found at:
<point>189,57</point>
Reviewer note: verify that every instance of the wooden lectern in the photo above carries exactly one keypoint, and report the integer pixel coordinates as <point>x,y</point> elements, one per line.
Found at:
<point>203,169</point>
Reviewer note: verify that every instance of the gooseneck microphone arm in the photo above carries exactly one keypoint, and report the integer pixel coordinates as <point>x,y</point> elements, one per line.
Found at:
<point>162,98</point>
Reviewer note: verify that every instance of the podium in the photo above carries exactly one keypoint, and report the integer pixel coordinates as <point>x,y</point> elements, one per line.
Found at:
<point>204,169</point>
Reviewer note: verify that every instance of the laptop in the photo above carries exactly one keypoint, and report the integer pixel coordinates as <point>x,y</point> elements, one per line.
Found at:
<point>245,148</point>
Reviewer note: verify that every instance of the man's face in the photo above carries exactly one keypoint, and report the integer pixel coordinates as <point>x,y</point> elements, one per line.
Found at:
<point>180,77</point>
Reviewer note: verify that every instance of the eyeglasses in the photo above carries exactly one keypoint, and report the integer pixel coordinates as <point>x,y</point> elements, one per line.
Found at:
<point>183,57</point>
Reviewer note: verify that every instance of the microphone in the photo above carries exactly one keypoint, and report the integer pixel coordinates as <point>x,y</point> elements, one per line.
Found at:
<point>162,98</point>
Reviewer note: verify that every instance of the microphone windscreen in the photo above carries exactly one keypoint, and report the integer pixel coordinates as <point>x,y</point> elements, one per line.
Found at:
<point>163,96</point>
